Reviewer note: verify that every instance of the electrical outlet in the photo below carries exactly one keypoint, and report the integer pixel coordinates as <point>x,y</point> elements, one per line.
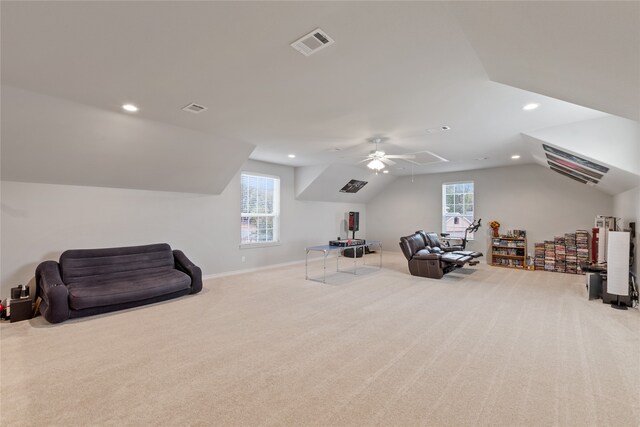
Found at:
<point>243,258</point>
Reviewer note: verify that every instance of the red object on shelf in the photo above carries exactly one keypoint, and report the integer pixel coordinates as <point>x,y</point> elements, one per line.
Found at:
<point>594,245</point>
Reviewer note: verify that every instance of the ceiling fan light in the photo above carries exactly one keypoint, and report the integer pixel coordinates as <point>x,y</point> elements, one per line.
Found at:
<point>375,164</point>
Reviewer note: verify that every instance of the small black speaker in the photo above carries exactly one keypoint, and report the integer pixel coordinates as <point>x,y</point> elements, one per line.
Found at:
<point>354,221</point>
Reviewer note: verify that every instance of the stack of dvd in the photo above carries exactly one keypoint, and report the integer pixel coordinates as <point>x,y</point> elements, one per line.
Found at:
<point>538,261</point>
<point>582,245</point>
<point>572,252</point>
<point>561,254</point>
<point>549,255</point>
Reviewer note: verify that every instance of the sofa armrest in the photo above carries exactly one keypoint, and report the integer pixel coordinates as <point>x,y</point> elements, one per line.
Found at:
<point>53,291</point>
<point>185,265</point>
<point>427,256</point>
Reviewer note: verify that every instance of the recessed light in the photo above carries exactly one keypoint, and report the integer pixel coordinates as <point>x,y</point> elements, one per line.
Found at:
<point>515,156</point>
<point>530,107</point>
<point>385,171</point>
<point>292,156</point>
<point>439,129</point>
<point>130,108</point>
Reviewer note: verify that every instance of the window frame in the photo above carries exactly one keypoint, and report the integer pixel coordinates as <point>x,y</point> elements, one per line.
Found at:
<point>443,206</point>
<point>275,214</point>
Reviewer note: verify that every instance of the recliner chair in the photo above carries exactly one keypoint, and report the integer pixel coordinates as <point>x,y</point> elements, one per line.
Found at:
<point>431,239</point>
<point>426,261</point>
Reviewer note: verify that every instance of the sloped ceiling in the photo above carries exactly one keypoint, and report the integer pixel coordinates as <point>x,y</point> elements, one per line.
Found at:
<point>51,140</point>
<point>587,53</point>
<point>615,181</point>
<point>328,181</point>
<point>396,70</point>
<point>611,141</point>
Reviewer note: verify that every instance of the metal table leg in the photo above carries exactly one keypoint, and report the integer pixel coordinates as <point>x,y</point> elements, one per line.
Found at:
<point>355,257</point>
<point>324,267</point>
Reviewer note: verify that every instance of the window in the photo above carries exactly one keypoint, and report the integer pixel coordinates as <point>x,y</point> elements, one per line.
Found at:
<point>457,208</point>
<point>260,210</point>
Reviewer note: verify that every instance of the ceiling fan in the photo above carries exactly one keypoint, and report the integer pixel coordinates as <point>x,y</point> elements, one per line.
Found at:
<point>378,159</point>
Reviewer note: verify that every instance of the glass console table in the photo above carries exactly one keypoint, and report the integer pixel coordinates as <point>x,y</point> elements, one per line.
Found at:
<point>326,249</point>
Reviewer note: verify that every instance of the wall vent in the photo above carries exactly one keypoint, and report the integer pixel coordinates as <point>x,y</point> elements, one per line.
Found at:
<point>312,42</point>
<point>194,108</point>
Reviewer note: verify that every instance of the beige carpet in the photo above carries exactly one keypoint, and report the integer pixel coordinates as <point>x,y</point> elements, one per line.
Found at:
<point>486,346</point>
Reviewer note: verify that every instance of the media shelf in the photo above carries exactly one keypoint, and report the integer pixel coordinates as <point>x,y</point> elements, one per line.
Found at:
<point>509,252</point>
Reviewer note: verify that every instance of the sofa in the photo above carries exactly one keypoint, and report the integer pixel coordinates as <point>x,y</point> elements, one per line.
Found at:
<point>92,281</point>
<point>432,261</point>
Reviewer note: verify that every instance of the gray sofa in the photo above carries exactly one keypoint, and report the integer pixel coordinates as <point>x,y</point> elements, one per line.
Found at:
<point>92,281</point>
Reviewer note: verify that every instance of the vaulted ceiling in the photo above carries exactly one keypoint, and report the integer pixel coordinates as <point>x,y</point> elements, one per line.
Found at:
<point>397,70</point>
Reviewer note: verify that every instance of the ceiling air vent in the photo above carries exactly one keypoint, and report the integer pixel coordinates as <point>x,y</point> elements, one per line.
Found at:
<point>194,108</point>
<point>423,158</point>
<point>312,42</point>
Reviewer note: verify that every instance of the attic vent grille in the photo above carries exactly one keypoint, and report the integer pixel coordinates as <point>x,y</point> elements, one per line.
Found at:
<point>353,186</point>
<point>194,108</point>
<point>574,167</point>
<point>312,42</point>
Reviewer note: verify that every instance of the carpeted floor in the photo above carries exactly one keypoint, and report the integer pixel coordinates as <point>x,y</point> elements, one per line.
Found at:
<point>484,346</point>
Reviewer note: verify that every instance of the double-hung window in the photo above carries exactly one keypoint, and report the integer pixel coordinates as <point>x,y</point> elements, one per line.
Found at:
<point>457,208</point>
<point>260,209</point>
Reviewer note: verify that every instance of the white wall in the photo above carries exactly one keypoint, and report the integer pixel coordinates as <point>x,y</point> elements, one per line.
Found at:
<point>527,197</point>
<point>40,221</point>
<point>627,206</point>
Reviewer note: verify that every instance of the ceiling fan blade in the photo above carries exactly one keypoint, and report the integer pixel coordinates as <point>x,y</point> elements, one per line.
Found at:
<point>386,161</point>
<point>368,159</point>
<point>401,156</point>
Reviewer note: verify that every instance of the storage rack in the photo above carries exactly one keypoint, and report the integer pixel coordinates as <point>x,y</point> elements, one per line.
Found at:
<point>509,252</point>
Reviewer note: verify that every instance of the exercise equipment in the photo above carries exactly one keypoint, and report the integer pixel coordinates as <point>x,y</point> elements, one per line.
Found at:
<point>472,228</point>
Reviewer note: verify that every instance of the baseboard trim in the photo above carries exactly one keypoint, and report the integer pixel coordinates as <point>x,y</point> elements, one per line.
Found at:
<point>250,270</point>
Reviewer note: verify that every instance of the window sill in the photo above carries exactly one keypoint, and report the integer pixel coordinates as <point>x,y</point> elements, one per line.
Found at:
<point>259,245</point>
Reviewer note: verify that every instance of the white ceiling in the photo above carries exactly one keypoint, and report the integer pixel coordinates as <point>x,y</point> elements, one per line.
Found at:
<point>585,52</point>
<point>396,70</point>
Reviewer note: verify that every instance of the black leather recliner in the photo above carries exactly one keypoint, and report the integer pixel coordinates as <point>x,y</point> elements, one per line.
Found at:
<point>427,261</point>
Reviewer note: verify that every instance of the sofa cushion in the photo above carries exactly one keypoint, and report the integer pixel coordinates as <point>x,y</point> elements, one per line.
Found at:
<point>79,264</point>
<point>134,286</point>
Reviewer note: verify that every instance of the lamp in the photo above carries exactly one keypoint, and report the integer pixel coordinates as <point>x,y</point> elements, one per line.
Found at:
<point>375,164</point>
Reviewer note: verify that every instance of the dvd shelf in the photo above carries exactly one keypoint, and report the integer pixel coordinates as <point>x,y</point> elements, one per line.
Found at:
<point>538,261</point>
<point>549,255</point>
<point>582,247</point>
<point>571,251</point>
<point>509,252</point>
<point>563,254</point>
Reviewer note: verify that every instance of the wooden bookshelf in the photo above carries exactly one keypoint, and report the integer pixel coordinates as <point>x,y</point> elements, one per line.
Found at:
<point>509,252</point>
